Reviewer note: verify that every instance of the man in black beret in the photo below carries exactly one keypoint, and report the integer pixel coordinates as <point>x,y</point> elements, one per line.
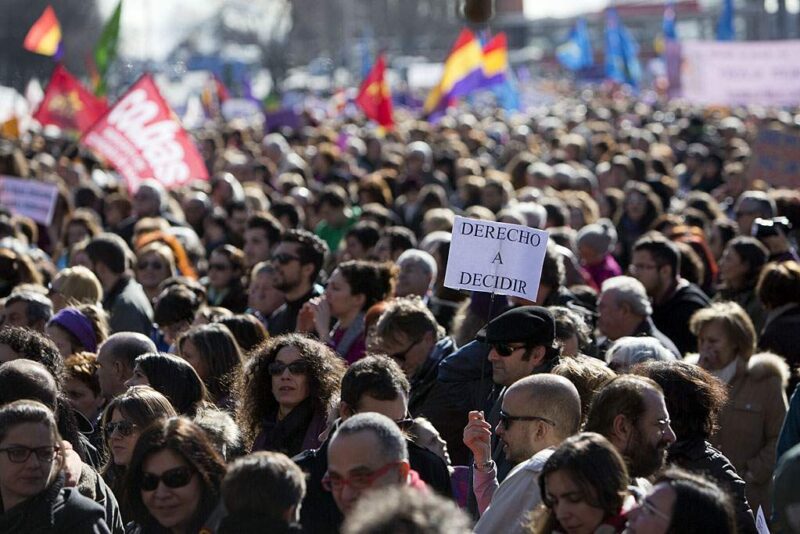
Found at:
<point>521,343</point>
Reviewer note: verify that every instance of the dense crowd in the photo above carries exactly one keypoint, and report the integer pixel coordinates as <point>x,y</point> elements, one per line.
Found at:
<point>274,350</point>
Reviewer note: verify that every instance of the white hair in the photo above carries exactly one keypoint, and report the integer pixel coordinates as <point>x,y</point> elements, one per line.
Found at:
<point>535,214</point>
<point>420,257</point>
<point>628,290</point>
<point>628,351</point>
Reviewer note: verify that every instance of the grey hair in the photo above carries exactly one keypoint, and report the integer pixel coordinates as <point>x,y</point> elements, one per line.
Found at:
<point>276,140</point>
<point>628,351</point>
<point>420,257</point>
<point>391,439</point>
<point>535,214</point>
<point>628,290</point>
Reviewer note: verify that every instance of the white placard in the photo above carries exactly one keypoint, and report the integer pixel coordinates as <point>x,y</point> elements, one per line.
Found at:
<point>30,198</point>
<point>496,257</point>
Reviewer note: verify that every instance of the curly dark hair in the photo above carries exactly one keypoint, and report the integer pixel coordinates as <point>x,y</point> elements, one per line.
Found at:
<point>31,345</point>
<point>694,397</point>
<point>189,441</point>
<point>254,388</point>
<point>372,279</point>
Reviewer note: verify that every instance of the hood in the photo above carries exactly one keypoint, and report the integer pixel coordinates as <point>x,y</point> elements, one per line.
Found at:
<point>766,365</point>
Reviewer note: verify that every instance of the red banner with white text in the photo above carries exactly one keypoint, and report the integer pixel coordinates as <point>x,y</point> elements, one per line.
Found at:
<point>142,138</point>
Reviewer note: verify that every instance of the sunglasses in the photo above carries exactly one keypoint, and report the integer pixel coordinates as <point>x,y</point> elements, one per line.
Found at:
<point>149,265</point>
<point>20,454</point>
<point>172,478</point>
<point>401,356</point>
<point>125,428</point>
<point>506,419</point>
<point>218,267</point>
<point>506,350</point>
<point>283,258</point>
<point>297,367</point>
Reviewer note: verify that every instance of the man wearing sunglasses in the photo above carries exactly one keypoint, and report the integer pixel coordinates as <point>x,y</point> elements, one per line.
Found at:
<point>538,413</point>
<point>297,259</point>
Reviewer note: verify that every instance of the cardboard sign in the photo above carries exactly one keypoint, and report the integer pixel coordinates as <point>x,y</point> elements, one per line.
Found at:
<point>496,258</point>
<point>30,198</point>
<point>729,73</point>
<point>143,139</point>
<point>776,158</point>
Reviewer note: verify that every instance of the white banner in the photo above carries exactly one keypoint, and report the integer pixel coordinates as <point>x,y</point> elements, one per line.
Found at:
<point>732,73</point>
<point>496,258</point>
<point>30,198</point>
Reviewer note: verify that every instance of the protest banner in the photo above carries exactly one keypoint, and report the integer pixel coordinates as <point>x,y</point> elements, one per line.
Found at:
<point>761,522</point>
<point>143,139</point>
<point>30,198</point>
<point>776,158</point>
<point>494,257</point>
<point>68,104</point>
<point>741,73</point>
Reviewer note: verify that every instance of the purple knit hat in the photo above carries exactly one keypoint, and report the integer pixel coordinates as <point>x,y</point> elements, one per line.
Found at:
<point>77,324</point>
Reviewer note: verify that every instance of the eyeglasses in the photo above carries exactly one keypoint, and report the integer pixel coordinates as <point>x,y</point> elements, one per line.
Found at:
<point>650,509</point>
<point>297,367</point>
<point>20,454</point>
<point>360,481</point>
<point>218,267</point>
<point>506,350</point>
<point>155,265</point>
<point>283,258</point>
<point>636,267</point>
<point>125,428</point>
<point>401,356</point>
<point>506,419</point>
<point>174,478</point>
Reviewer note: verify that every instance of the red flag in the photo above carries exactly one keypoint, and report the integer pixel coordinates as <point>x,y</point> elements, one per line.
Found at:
<point>68,104</point>
<point>374,96</point>
<point>142,138</point>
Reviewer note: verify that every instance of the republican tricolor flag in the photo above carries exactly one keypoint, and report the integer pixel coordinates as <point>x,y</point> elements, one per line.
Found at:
<point>44,37</point>
<point>374,96</point>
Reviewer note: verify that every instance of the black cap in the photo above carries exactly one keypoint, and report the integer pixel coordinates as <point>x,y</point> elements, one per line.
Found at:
<point>533,325</point>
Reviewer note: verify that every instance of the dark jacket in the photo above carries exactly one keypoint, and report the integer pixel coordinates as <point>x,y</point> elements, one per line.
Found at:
<point>463,383</point>
<point>700,456</point>
<point>781,335</point>
<point>648,328</point>
<point>256,524</point>
<point>56,510</point>
<point>672,316</point>
<point>425,379</point>
<point>790,432</point>
<point>284,319</point>
<point>319,513</point>
<point>128,307</point>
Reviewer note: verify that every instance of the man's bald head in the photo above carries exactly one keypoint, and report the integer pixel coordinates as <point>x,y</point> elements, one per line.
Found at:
<point>116,359</point>
<point>552,397</point>
<point>29,380</point>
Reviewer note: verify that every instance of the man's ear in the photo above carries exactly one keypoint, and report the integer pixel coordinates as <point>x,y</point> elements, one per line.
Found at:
<point>538,354</point>
<point>621,428</point>
<point>307,269</point>
<point>345,410</point>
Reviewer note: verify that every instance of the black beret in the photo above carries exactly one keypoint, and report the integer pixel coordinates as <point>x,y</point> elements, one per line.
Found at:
<point>533,325</point>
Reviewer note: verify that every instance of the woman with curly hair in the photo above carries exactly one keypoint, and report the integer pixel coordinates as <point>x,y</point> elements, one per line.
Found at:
<point>173,480</point>
<point>352,289</point>
<point>288,386</point>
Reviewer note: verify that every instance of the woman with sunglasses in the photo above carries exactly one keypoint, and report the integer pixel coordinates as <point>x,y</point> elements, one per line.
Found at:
<point>583,485</point>
<point>352,289</point>
<point>681,502</point>
<point>286,391</point>
<point>214,353</point>
<point>224,281</point>
<point>123,421</point>
<point>155,263</point>
<point>174,478</point>
<point>33,497</point>
<point>174,378</point>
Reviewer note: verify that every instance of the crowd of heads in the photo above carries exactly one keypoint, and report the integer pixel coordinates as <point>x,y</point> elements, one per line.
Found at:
<point>275,349</point>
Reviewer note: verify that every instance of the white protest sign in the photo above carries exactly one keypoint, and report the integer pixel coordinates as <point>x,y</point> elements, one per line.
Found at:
<point>496,258</point>
<point>30,198</point>
<point>761,522</point>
